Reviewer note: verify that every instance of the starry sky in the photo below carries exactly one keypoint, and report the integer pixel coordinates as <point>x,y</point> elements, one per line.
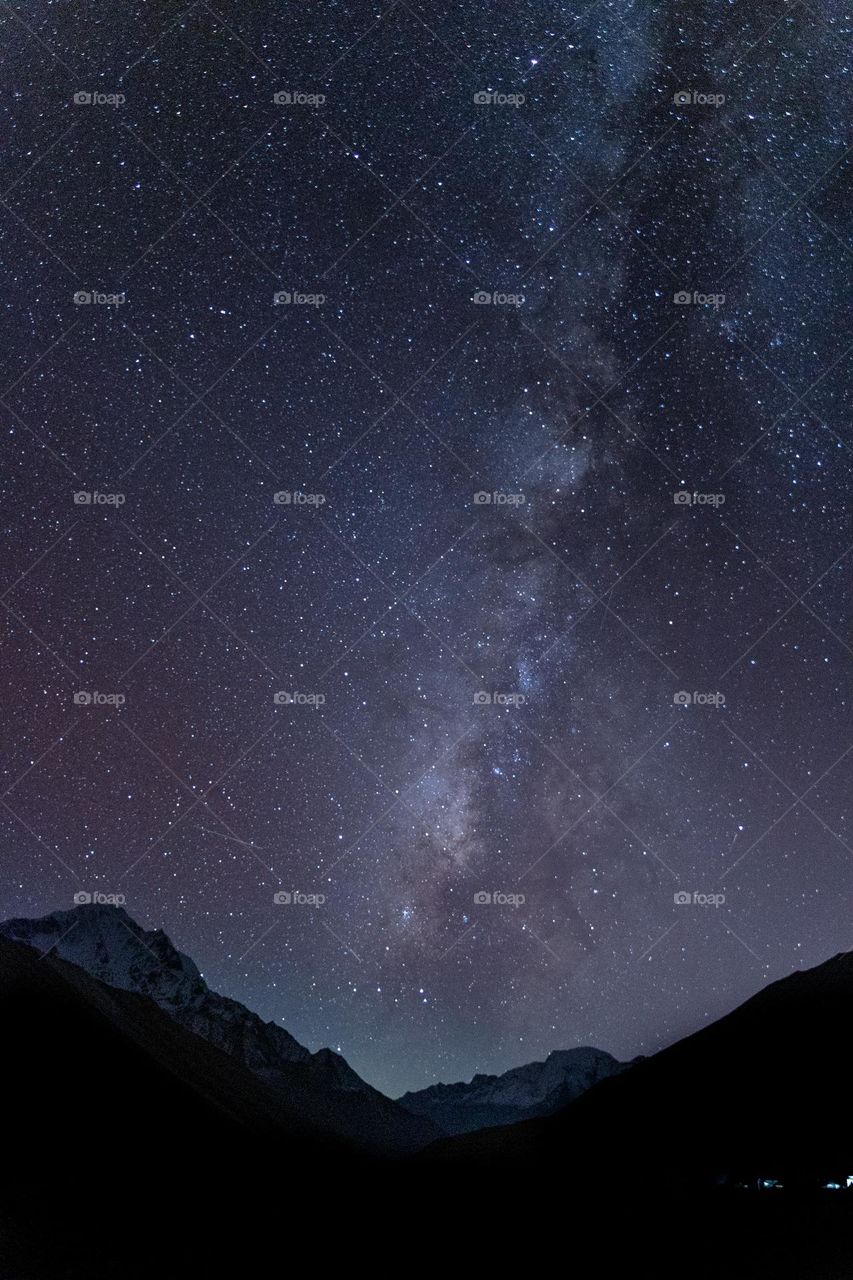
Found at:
<point>589,262</point>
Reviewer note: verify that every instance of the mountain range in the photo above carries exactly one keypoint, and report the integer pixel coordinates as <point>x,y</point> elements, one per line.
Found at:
<point>137,1102</point>
<point>111,947</point>
<point>535,1089</point>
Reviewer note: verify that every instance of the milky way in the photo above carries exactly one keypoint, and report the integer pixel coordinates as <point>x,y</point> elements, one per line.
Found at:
<point>403,408</point>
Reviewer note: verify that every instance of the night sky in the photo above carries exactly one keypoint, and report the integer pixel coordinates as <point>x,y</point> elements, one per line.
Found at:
<point>381,197</point>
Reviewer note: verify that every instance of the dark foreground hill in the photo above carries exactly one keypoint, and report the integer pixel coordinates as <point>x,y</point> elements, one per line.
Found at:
<point>321,1087</point>
<point>764,1093</point>
<point>135,1148</point>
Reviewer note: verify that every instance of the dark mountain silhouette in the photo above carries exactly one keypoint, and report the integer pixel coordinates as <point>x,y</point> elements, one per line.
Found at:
<point>134,1147</point>
<point>116,1122</point>
<point>762,1093</point>
<point>535,1089</point>
<point>320,1087</point>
